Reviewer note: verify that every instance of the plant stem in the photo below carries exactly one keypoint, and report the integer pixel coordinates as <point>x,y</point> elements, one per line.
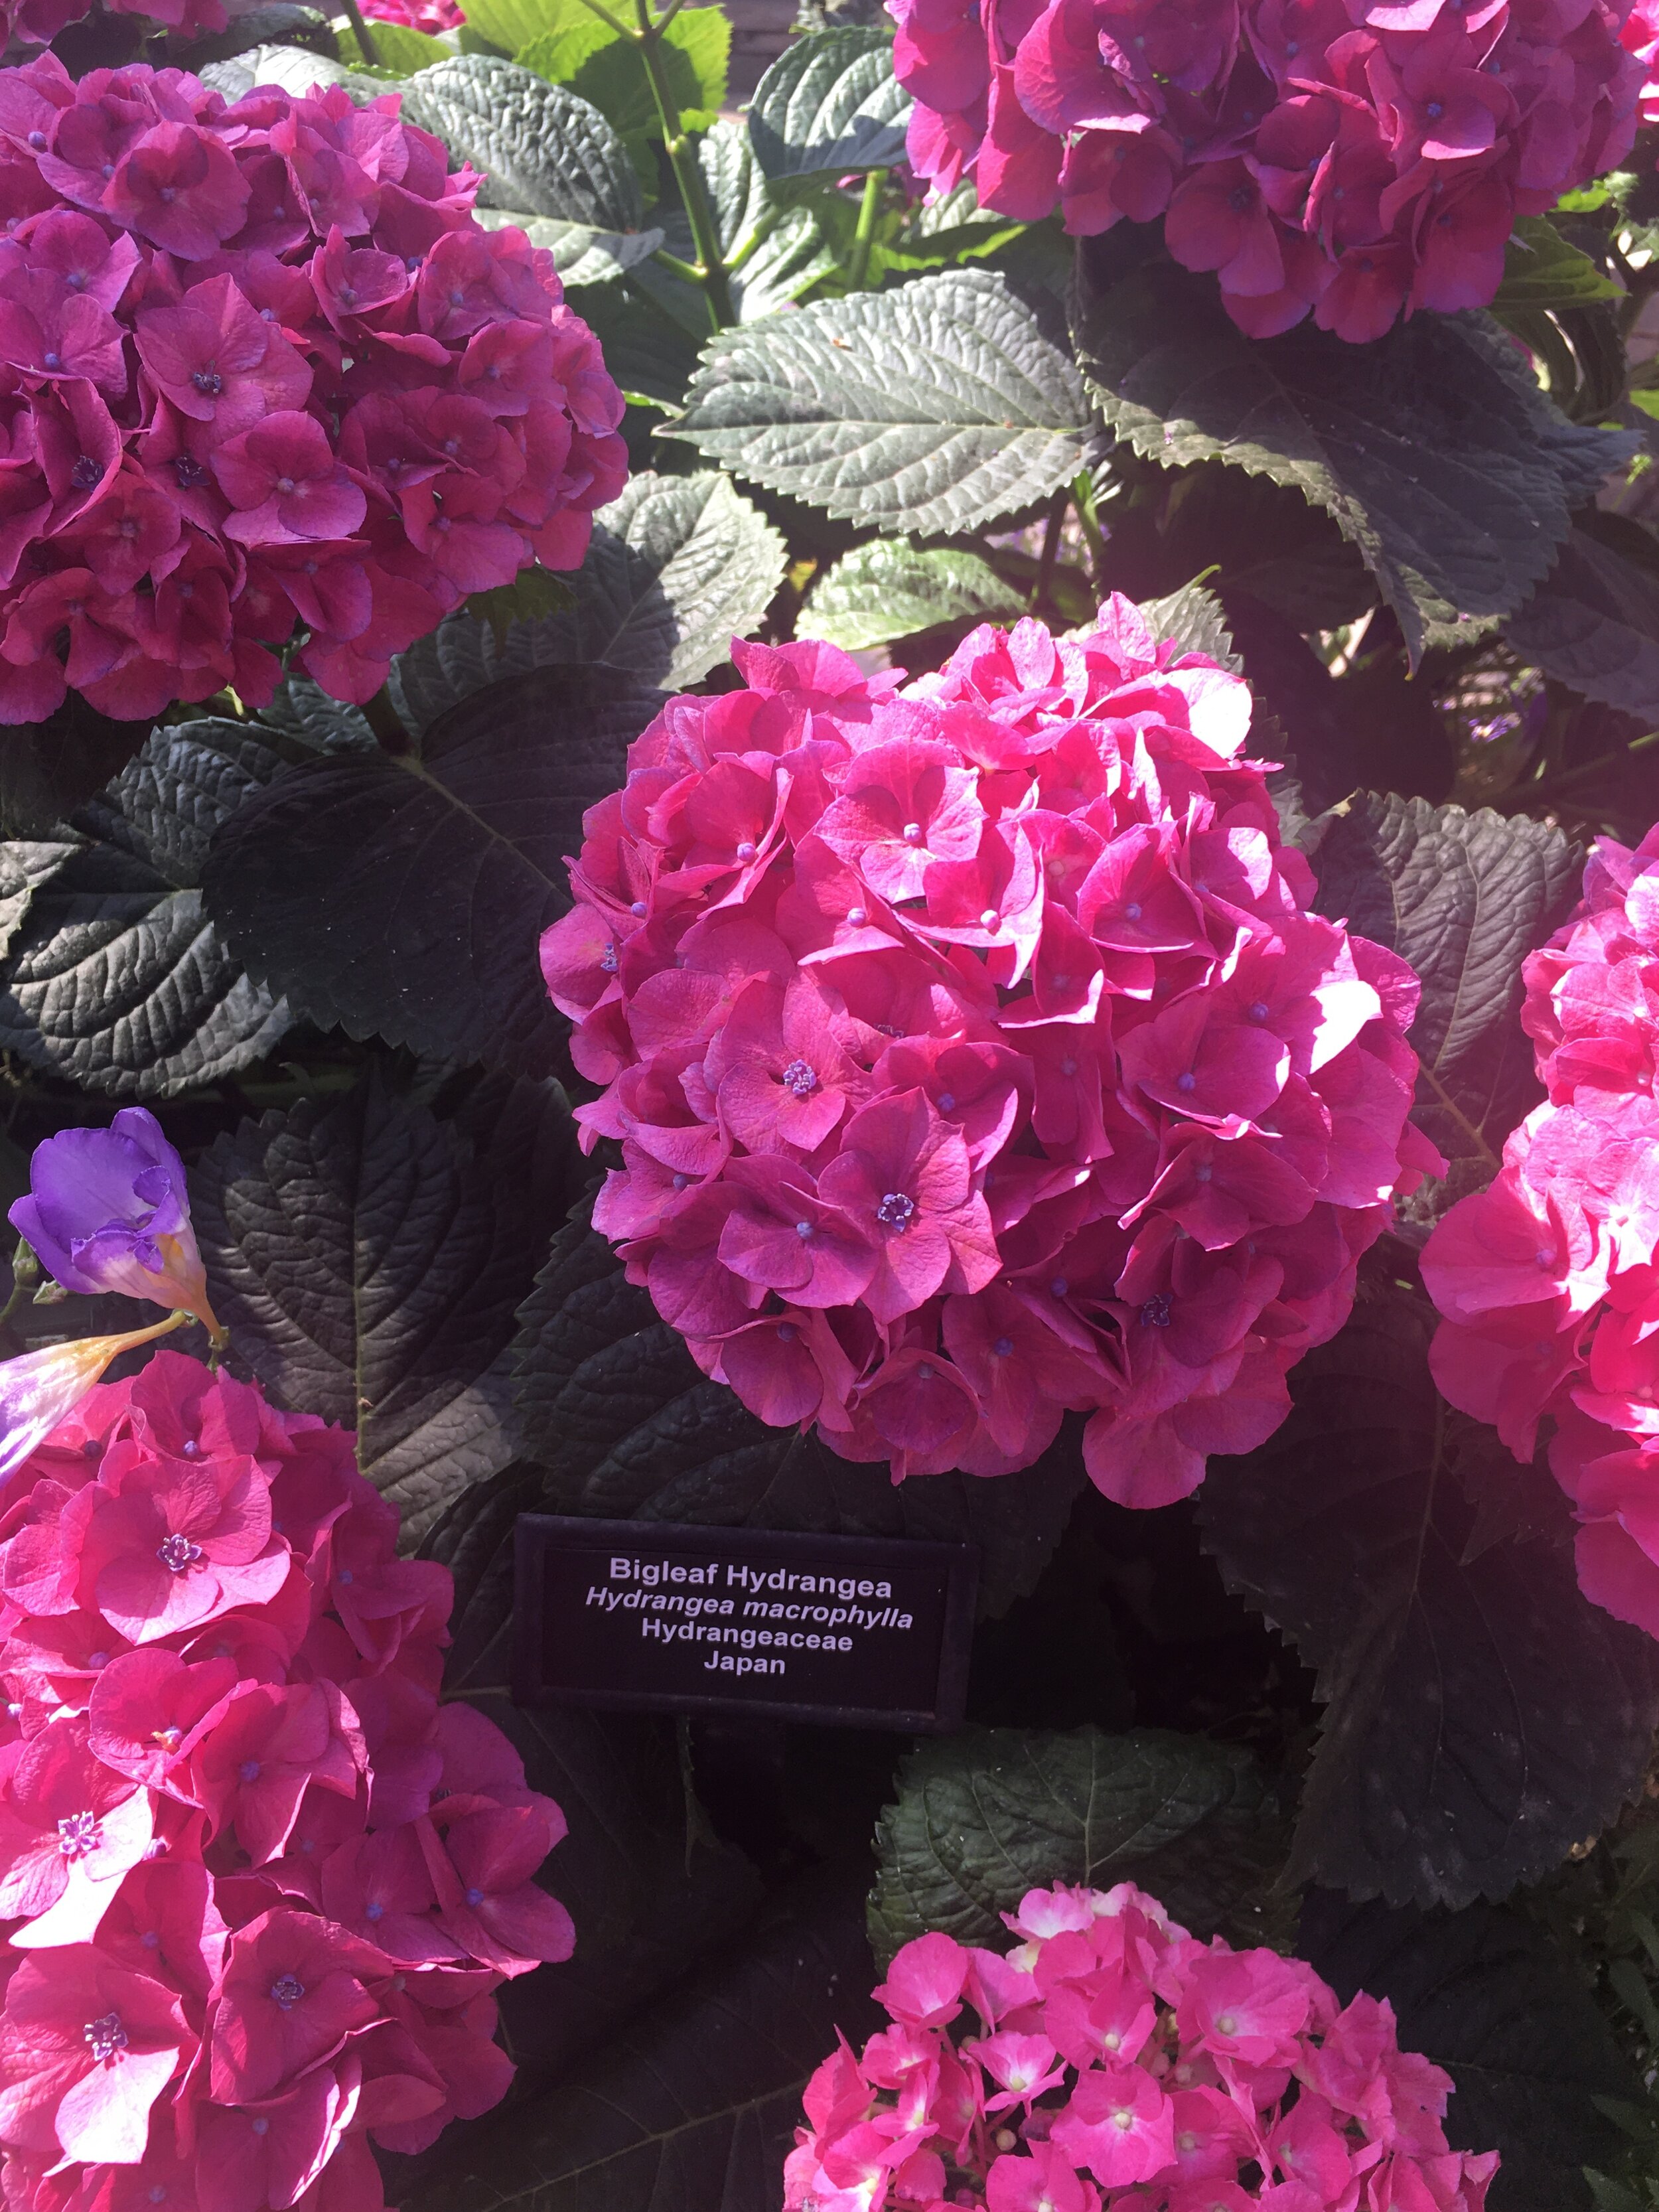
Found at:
<point>864,237</point>
<point>688,175</point>
<point>1524,794</point>
<point>1083,498</point>
<point>360,31</point>
<point>1045,574</point>
<point>622,30</point>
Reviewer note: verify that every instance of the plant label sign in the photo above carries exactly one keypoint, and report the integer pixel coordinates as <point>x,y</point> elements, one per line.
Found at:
<point>849,1632</point>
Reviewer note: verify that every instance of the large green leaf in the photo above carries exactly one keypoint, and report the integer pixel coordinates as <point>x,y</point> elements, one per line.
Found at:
<point>581,254</point>
<point>887,589</point>
<point>117,980</point>
<point>1433,448</point>
<point>678,566</point>
<point>694,2109</point>
<point>1481,1715</point>
<point>831,103</point>
<point>650,352</point>
<point>545,151</point>
<point>982,1817</point>
<point>295,69</point>
<point>1464,898</point>
<point>1593,624</point>
<point>613,1406</point>
<point>404,898</point>
<point>936,408</point>
<point>1487,1993</point>
<point>368,1260</point>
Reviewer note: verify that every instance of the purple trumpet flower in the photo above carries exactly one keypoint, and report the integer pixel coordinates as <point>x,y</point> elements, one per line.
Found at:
<point>109,1210</point>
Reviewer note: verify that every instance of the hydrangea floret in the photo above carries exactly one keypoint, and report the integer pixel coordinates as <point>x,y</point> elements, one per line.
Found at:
<point>1359,158</point>
<point>1112,2063</point>
<point>975,1055</point>
<point>1548,1278</point>
<point>257,1884</point>
<point>265,374</point>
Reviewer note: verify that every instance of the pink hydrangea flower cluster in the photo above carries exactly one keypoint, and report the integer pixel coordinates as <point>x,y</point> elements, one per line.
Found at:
<point>263,368</point>
<point>428,16</point>
<point>1548,1278</point>
<point>974,1054</point>
<point>1358,158</point>
<point>1116,2061</point>
<point>1641,38</point>
<point>257,1884</point>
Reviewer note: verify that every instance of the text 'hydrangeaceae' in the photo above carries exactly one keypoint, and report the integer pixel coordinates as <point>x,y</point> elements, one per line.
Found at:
<point>974,1054</point>
<point>1111,2060</point>
<point>1548,1278</point>
<point>260,369</point>
<point>257,1885</point>
<point>1357,157</point>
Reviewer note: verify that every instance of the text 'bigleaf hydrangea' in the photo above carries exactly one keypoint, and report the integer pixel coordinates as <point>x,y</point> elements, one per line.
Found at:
<point>1111,2060</point>
<point>1548,1278</point>
<point>263,369</point>
<point>257,1885</point>
<point>1358,158</point>
<point>974,1054</point>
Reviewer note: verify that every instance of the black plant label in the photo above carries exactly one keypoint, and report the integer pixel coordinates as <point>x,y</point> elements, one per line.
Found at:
<point>848,1631</point>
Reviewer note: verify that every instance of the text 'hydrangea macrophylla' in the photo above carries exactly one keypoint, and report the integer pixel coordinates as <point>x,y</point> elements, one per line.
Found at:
<point>1111,2060</point>
<point>257,1884</point>
<point>265,374</point>
<point>1549,1279</point>
<point>109,1210</point>
<point>1356,158</point>
<point>974,1054</point>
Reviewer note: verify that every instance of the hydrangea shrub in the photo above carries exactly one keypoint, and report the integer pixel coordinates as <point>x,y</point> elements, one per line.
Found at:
<point>1353,159</point>
<point>1109,2062</point>
<point>257,1883</point>
<point>975,1053</point>
<point>264,372</point>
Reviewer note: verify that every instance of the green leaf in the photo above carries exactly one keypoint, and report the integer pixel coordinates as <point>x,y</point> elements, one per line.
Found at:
<point>294,70</point>
<point>887,590</point>
<point>831,103</point>
<point>984,1816</point>
<point>25,864</point>
<point>1541,269</point>
<point>678,566</point>
<point>1464,898</point>
<point>650,352</point>
<point>609,72</point>
<point>613,1406</point>
<point>696,2106</point>
<point>48,769</point>
<point>937,234</point>
<point>581,254</point>
<point>936,408</point>
<point>321,723</point>
<point>117,979</point>
<point>533,594</point>
<point>774,253</point>
<point>1487,1993</point>
<point>1196,620</point>
<point>545,151</point>
<point>1481,1715</point>
<point>1433,449</point>
<point>398,46</point>
<point>1593,624</point>
<point>405,898</point>
<point>368,1260</point>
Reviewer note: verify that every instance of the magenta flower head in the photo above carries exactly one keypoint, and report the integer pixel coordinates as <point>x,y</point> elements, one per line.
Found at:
<point>974,1054</point>
<point>1112,2063</point>
<point>108,1210</point>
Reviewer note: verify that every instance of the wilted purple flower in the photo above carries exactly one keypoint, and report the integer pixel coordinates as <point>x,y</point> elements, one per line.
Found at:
<point>109,1210</point>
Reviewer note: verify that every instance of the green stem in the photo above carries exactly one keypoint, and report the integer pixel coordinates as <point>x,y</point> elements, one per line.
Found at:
<point>360,31</point>
<point>1045,575</point>
<point>858,268</point>
<point>682,159</point>
<point>687,271</point>
<point>1083,498</point>
<point>621,30</point>
<point>1527,792</point>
